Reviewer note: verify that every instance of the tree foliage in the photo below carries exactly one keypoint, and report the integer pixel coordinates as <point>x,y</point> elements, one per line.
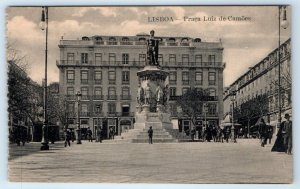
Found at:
<point>251,110</point>
<point>57,109</point>
<point>191,103</point>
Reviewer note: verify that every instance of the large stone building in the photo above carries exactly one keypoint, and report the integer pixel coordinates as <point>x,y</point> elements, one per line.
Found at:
<point>104,69</point>
<point>261,79</point>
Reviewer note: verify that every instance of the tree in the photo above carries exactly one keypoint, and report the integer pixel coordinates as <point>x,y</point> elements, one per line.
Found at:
<point>24,95</point>
<point>191,103</point>
<point>251,110</point>
<point>57,108</point>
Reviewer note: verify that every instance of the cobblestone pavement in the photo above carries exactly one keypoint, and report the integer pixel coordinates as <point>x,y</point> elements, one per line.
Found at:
<point>242,162</point>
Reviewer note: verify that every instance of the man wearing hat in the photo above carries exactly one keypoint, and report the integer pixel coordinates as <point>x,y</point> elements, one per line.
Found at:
<point>287,134</point>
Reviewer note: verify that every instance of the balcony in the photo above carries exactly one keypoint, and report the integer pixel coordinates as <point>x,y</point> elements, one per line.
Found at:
<point>112,43</point>
<point>84,81</point>
<point>126,43</point>
<point>125,97</point>
<point>112,114</point>
<point>174,98</point>
<point>98,81</point>
<point>71,114</point>
<point>185,44</point>
<point>70,97</point>
<point>172,44</point>
<point>85,97</point>
<point>112,82</point>
<point>186,82</point>
<point>172,82</point>
<point>98,114</point>
<point>125,114</point>
<point>140,43</point>
<point>199,82</point>
<point>112,97</point>
<point>206,98</point>
<point>99,43</point>
<point>84,114</point>
<point>98,97</point>
<point>211,82</point>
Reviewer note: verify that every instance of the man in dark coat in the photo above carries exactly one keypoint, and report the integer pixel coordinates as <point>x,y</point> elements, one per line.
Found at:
<point>90,135</point>
<point>99,134</point>
<point>287,134</point>
<point>67,137</point>
<point>193,133</point>
<point>150,134</point>
<point>263,131</point>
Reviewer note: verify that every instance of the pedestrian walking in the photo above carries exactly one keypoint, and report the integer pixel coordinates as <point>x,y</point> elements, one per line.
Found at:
<point>67,137</point>
<point>263,132</point>
<point>111,133</point>
<point>150,134</point>
<point>193,133</point>
<point>99,134</point>
<point>90,135</point>
<point>270,133</point>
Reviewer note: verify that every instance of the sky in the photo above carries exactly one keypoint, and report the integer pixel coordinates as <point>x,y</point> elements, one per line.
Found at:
<point>245,42</point>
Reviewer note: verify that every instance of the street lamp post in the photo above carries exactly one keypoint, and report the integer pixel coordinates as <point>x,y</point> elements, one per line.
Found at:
<point>78,130</point>
<point>284,24</point>
<point>232,98</point>
<point>43,26</point>
<point>98,121</point>
<point>205,111</point>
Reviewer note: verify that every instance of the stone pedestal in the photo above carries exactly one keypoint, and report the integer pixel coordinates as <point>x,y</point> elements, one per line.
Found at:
<point>151,111</point>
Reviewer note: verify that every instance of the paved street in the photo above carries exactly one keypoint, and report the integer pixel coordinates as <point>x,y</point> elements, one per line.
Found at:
<point>244,162</point>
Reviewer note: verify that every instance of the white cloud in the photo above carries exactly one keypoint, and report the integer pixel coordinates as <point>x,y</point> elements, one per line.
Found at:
<point>105,11</point>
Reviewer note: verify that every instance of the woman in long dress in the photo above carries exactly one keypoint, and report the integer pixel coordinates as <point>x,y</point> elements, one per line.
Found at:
<point>279,145</point>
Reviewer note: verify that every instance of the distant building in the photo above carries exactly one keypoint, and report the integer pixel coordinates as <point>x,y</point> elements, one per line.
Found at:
<point>104,69</point>
<point>262,78</point>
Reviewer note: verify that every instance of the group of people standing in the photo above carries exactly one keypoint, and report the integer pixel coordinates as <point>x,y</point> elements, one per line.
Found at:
<point>89,135</point>
<point>284,140</point>
<point>210,133</point>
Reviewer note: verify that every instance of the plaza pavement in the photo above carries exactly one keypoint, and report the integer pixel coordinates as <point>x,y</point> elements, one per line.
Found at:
<point>197,162</point>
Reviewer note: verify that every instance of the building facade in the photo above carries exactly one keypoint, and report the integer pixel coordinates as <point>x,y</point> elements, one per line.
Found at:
<point>104,69</point>
<point>262,79</point>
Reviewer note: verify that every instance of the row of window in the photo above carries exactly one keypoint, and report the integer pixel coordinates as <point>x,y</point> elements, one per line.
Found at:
<point>98,91</point>
<point>97,77</point>
<point>126,91</point>
<point>198,78</point>
<point>185,58</point>
<point>97,107</point>
<point>111,107</point>
<point>126,77</point>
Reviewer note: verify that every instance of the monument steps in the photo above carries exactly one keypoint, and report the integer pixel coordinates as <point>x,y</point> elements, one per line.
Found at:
<point>141,136</point>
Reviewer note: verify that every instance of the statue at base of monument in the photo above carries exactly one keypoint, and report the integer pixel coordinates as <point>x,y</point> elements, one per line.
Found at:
<point>152,50</point>
<point>140,96</point>
<point>147,94</point>
<point>166,96</point>
<point>159,95</point>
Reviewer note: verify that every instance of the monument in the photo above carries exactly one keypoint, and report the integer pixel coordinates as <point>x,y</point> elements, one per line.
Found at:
<point>153,92</point>
<point>152,101</point>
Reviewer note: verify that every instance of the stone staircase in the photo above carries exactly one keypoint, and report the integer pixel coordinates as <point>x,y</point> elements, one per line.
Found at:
<point>141,136</point>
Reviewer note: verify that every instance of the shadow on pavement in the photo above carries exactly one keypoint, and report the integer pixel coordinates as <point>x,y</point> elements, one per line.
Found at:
<point>30,148</point>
